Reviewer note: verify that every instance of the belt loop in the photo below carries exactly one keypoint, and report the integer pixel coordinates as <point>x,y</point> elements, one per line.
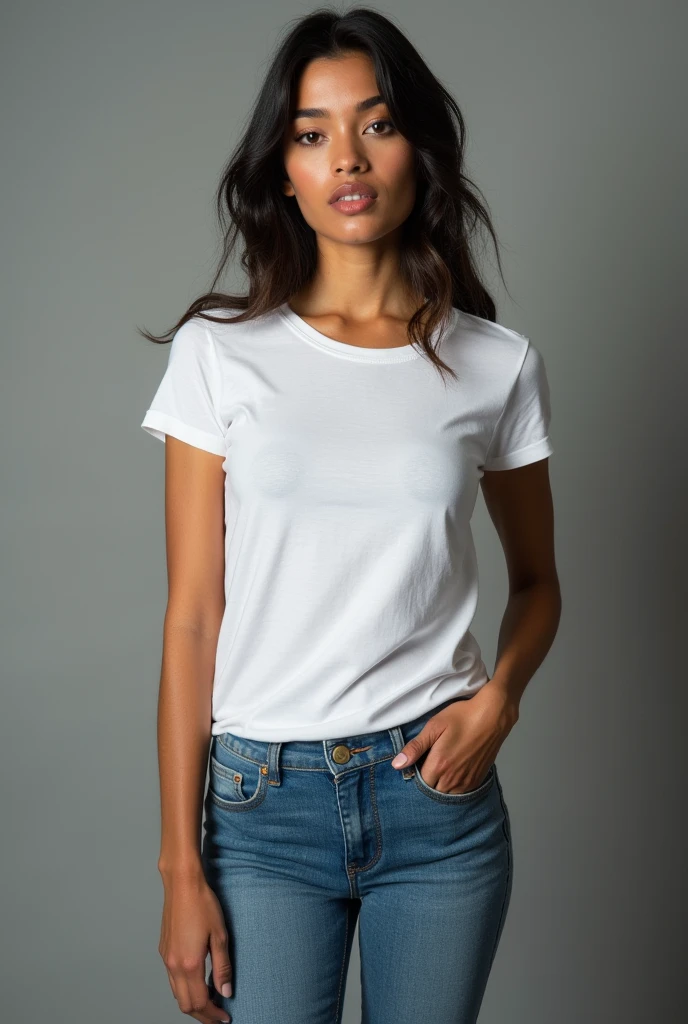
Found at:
<point>398,742</point>
<point>274,777</point>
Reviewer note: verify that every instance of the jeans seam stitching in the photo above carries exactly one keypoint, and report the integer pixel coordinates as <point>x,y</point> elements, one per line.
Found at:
<point>508,874</point>
<point>237,753</point>
<point>378,831</point>
<point>455,798</point>
<point>241,805</point>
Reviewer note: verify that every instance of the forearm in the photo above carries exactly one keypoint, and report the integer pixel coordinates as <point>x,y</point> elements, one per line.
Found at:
<point>184,733</point>
<point>528,628</point>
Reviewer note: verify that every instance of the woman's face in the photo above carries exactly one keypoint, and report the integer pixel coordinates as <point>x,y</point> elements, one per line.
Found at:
<point>342,144</point>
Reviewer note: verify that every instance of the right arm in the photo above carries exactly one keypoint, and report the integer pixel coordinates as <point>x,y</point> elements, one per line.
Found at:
<point>192,918</point>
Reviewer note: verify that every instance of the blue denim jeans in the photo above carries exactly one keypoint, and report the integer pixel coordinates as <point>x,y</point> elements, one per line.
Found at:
<point>302,839</point>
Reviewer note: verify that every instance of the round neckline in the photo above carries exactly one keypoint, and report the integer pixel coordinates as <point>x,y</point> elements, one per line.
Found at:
<point>397,354</point>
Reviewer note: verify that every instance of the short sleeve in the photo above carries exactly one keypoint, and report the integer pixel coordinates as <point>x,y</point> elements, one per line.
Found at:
<point>186,404</point>
<point>521,434</point>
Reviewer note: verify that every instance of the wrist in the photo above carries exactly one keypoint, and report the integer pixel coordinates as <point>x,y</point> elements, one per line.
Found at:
<point>510,701</point>
<point>188,868</point>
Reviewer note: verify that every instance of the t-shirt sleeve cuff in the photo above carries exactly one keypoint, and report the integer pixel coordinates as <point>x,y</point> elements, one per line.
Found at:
<point>522,456</point>
<point>159,424</point>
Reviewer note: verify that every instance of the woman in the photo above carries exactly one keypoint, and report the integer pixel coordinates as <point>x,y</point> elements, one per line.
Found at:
<point>324,450</point>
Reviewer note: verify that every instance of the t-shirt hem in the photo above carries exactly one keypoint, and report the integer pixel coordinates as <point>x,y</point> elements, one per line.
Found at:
<point>159,424</point>
<point>314,731</point>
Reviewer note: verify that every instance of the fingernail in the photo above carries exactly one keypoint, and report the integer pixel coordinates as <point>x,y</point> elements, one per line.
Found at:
<point>227,989</point>
<point>399,760</point>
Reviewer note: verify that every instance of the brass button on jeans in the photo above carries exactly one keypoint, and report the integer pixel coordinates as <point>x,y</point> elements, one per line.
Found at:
<point>341,754</point>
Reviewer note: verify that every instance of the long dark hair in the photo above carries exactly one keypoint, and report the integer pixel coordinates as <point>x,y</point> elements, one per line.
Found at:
<point>279,253</point>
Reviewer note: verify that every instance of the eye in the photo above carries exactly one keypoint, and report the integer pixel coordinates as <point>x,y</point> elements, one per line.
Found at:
<point>307,144</point>
<point>381,122</point>
<point>303,136</point>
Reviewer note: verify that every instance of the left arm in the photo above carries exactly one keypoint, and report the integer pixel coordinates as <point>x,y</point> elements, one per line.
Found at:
<point>466,736</point>
<point>519,502</point>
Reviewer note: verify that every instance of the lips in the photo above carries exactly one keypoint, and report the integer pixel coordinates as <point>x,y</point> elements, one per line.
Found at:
<point>353,188</point>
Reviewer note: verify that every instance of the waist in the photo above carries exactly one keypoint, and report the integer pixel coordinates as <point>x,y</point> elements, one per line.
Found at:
<point>354,750</point>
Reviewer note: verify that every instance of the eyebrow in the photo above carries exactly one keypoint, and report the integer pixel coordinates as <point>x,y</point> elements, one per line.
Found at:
<point>372,101</point>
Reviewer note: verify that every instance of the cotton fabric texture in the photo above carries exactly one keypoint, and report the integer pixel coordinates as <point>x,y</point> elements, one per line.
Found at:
<point>351,475</point>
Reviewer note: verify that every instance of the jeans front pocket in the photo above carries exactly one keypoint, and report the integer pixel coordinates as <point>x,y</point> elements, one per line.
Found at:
<point>454,798</point>
<point>236,782</point>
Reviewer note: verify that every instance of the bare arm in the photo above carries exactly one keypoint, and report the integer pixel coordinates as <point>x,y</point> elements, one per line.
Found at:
<point>519,502</point>
<point>192,923</point>
<point>194,521</point>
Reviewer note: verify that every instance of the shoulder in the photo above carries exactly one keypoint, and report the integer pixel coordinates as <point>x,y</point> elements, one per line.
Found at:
<point>488,348</point>
<point>230,336</point>
<point>490,336</point>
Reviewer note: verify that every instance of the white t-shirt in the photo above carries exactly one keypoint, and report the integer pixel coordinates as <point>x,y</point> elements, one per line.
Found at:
<point>351,477</point>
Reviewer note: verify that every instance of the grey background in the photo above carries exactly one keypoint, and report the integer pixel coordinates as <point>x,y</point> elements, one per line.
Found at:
<point>116,120</point>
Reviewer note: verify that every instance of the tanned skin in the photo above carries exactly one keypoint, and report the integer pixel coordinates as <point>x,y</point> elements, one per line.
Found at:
<point>192,921</point>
